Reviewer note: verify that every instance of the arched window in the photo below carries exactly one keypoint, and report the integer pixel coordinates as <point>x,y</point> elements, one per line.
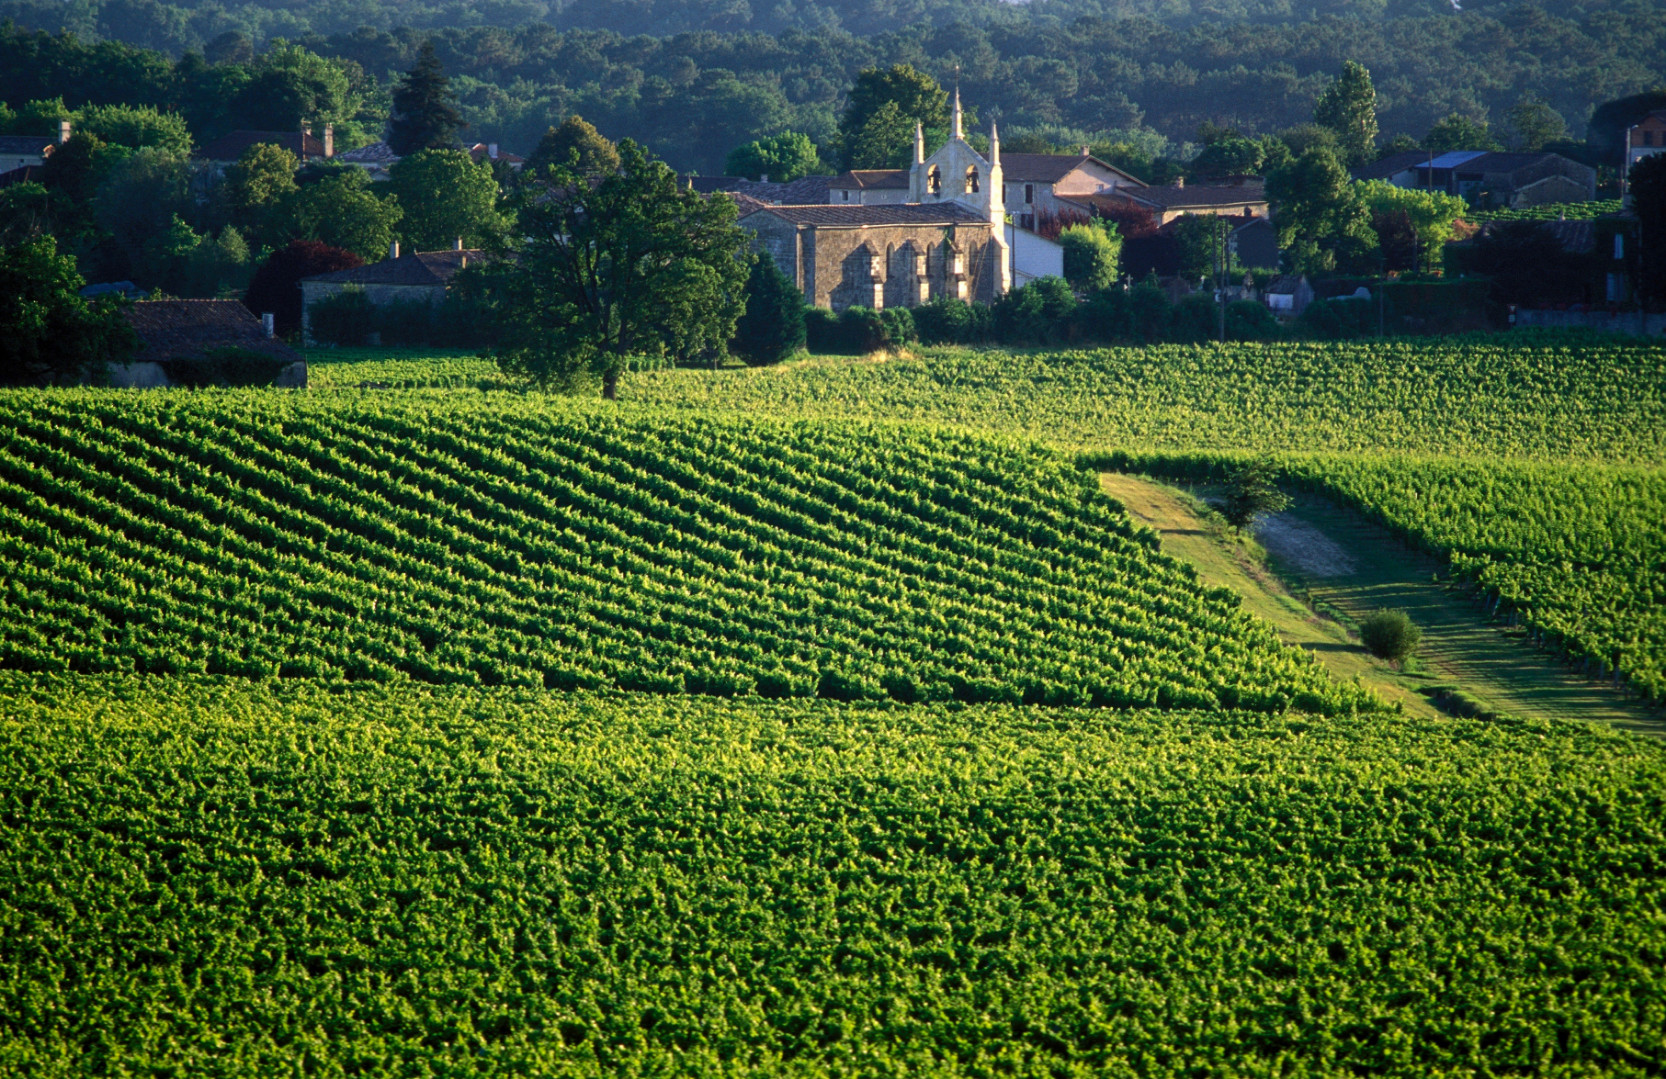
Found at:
<point>972,180</point>
<point>934,181</point>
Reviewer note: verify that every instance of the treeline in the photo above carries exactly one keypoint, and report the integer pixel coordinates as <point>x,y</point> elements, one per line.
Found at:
<point>1057,72</point>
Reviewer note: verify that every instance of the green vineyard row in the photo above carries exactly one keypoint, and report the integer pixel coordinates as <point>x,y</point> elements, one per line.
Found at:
<point>566,547</point>
<point>214,878</point>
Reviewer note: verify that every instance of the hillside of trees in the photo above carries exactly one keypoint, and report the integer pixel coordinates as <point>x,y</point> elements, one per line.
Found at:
<point>694,78</point>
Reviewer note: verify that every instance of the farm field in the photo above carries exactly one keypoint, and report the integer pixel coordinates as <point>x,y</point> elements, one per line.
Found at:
<point>217,877</point>
<point>564,547</point>
<point>827,720</point>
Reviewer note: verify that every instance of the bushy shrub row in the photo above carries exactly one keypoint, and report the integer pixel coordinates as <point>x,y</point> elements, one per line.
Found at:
<point>349,318</point>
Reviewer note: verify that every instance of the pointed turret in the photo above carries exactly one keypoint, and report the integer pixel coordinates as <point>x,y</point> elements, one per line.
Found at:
<point>994,144</point>
<point>956,131</point>
<point>919,143</point>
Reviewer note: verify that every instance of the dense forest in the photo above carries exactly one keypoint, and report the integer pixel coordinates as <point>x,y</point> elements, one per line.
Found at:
<point>695,78</point>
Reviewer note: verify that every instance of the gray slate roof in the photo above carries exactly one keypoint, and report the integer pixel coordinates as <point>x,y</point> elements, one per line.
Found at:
<point>1180,198</point>
<point>26,144</point>
<point>417,268</point>
<point>173,329</point>
<point>872,179</point>
<point>939,213</point>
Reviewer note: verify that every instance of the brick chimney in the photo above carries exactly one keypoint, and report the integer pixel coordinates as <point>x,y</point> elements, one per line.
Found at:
<point>329,140</point>
<point>64,129</point>
<point>1179,182</point>
<point>458,245</point>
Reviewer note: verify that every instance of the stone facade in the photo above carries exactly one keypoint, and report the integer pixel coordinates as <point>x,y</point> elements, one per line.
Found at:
<point>946,239</point>
<point>881,256</point>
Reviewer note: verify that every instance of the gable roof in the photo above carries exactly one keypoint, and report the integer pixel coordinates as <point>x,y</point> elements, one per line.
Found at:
<point>230,147</point>
<point>1051,168</point>
<point>1200,196</point>
<point>417,268</point>
<point>170,329</point>
<point>801,192</point>
<point>377,153</point>
<point>933,213</point>
<point>1385,167</point>
<point>25,145</point>
<point>872,179</point>
<point>482,151</point>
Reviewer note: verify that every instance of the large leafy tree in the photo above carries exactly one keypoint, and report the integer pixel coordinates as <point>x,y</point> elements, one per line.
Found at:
<point>425,115</point>
<point>1430,216</point>
<point>1090,255</point>
<point>1534,123</point>
<point>609,268</point>
<point>876,129</point>
<point>258,189</point>
<point>48,333</point>
<point>342,210</point>
<point>136,127</point>
<point>1322,223</point>
<point>783,158</point>
<point>445,196</point>
<point>1459,132</point>
<point>1349,107</point>
<point>575,144</point>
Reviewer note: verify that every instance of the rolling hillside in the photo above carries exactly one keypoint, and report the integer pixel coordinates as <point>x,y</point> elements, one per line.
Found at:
<point>562,547</point>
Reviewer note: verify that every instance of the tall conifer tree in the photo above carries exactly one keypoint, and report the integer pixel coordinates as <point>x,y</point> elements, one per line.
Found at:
<point>424,117</point>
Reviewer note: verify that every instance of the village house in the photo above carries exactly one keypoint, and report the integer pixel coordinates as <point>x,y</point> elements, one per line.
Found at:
<point>1645,138</point>
<point>179,338</point>
<point>30,151</point>
<point>415,277</point>
<point>1488,179</point>
<point>1246,199</point>
<point>378,157</point>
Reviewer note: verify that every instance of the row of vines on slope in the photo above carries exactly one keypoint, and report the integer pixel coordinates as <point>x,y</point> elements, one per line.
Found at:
<point>567,548</point>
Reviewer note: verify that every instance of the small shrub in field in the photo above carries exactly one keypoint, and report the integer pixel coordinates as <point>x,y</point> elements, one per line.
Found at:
<point>772,327</point>
<point>1251,490</point>
<point>862,330</point>
<point>899,326</point>
<point>1390,635</point>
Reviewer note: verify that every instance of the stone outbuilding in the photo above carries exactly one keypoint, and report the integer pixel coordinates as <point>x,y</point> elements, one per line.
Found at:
<point>190,332</point>
<point>417,277</point>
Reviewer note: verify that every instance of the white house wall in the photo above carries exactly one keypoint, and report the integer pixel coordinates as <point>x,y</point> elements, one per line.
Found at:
<point>1034,256</point>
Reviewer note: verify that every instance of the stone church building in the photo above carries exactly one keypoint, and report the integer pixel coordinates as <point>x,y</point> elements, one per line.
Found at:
<point>948,239</point>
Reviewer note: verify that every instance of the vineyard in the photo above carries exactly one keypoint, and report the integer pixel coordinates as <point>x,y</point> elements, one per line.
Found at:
<point>1546,397</point>
<point>1551,211</point>
<point>575,548</point>
<point>223,879</point>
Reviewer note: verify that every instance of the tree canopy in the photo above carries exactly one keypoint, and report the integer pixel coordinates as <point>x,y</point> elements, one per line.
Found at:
<point>48,333</point>
<point>630,264</point>
<point>1322,223</point>
<point>424,115</point>
<point>783,158</point>
<point>575,144</point>
<point>444,197</point>
<point>876,129</point>
<point>1349,107</point>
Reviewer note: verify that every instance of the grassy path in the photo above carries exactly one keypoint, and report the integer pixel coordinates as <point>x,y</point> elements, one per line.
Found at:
<point>1343,560</point>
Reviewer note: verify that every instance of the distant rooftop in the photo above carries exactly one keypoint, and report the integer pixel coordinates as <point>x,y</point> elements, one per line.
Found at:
<point>416,268</point>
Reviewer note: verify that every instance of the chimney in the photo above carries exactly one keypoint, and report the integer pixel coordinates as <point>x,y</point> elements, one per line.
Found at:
<point>458,245</point>
<point>329,140</point>
<point>1179,182</point>
<point>266,324</point>
<point>64,127</point>
<point>491,150</point>
<point>1086,152</point>
<point>465,264</point>
<point>763,178</point>
<point>393,250</point>
<point>306,133</point>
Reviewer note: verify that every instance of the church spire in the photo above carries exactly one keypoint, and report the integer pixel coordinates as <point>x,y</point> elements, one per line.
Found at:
<point>919,143</point>
<point>994,143</point>
<point>957,132</point>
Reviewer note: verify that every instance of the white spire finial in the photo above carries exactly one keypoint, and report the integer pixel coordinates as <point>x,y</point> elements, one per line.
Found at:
<point>994,143</point>
<point>958,133</point>
<point>919,143</point>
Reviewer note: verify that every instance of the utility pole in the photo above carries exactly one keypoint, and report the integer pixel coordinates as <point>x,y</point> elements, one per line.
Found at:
<point>1220,278</point>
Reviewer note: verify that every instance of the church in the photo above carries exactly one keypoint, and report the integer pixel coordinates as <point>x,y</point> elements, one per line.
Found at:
<point>950,238</point>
